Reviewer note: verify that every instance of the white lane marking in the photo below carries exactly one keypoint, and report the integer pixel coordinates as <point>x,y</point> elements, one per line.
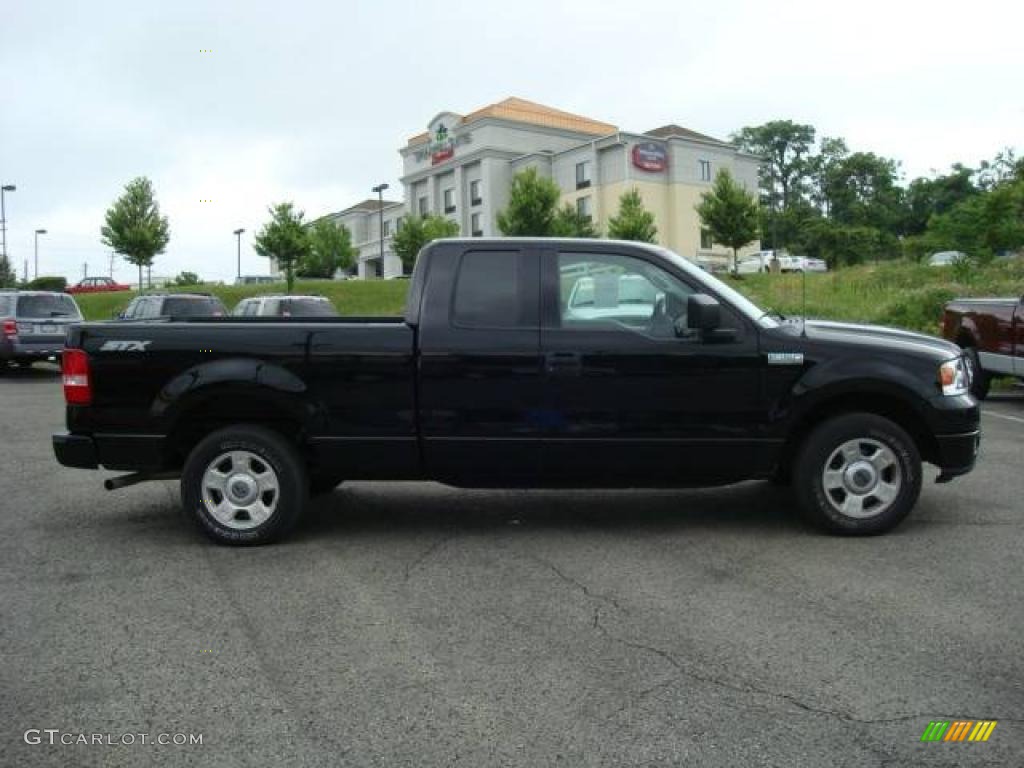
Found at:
<point>1018,419</point>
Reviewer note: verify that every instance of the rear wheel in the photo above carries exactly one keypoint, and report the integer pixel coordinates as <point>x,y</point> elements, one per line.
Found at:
<point>858,474</point>
<point>981,381</point>
<point>244,485</point>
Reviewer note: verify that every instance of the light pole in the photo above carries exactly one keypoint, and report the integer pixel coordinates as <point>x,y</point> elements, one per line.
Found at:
<point>238,234</point>
<point>35,270</point>
<point>3,215</point>
<point>379,189</point>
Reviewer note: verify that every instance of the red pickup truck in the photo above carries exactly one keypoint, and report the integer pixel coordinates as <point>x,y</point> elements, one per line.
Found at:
<point>991,331</point>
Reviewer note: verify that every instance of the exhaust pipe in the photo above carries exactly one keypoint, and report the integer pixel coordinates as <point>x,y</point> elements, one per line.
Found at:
<point>123,481</point>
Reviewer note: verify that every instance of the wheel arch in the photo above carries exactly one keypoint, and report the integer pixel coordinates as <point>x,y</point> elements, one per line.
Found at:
<point>887,404</point>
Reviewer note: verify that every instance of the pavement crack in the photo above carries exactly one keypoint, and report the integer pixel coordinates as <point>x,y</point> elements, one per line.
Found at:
<point>603,597</point>
<point>426,554</point>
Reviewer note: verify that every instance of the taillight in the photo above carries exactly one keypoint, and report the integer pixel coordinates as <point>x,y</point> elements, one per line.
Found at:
<point>10,329</point>
<point>74,366</point>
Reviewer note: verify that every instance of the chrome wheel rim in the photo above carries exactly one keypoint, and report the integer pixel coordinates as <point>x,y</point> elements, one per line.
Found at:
<point>240,490</point>
<point>862,478</point>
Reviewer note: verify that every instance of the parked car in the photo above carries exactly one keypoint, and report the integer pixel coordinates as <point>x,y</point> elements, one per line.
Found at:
<point>945,258</point>
<point>491,379</point>
<point>285,306</point>
<point>991,333</point>
<point>762,262</point>
<point>813,265</point>
<point>153,306</point>
<point>97,285</point>
<point>257,280</point>
<point>34,324</point>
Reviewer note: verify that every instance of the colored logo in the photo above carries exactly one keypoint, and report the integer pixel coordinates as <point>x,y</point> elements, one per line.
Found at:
<point>959,730</point>
<point>650,157</point>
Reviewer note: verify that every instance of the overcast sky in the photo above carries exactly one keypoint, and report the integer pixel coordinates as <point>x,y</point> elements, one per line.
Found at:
<point>310,102</point>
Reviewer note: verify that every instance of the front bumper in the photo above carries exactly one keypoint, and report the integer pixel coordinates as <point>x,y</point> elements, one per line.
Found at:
<point>76,451</point>
<point>957,454</point>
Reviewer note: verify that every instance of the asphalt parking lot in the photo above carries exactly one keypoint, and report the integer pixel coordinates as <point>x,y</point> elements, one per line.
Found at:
<point>416,625</point>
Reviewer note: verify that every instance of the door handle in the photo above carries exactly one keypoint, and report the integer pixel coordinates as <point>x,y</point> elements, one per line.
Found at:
<point>564,363</point>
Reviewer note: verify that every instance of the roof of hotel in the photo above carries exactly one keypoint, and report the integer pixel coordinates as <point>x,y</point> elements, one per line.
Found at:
<point>523,111</point>
<point>670,130</point>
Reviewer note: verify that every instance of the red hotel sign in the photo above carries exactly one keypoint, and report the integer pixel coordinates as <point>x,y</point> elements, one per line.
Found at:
<point>650,157</point>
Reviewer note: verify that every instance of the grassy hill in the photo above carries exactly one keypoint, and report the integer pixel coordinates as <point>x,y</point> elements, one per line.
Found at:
<point>891,293</point>
<point>350,297</point>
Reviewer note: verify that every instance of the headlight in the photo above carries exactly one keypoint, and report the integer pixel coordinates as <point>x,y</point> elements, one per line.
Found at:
<point>953,377</point>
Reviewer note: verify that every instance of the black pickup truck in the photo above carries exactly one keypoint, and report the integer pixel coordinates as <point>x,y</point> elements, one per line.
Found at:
<point>521,363</point>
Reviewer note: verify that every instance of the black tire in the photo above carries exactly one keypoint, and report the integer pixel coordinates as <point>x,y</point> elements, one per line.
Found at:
<point>269,450</point>
<point>981,381</point>
<point>870,433</point>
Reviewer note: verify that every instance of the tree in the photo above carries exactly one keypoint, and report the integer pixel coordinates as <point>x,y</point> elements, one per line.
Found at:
<point>330,250</point>
<point>821,168</point>
<point>863,191</point>
<point>569,222</point>
<point>7,277</point>
<point>416,232</point>
<point>785,146</point>
<point>532,205</point>
<point>984,224</point>
<point>187,278</point>
<point>285,239</point>
<point>730,213</point>
<point>134,227</point>
<point>633,222</point>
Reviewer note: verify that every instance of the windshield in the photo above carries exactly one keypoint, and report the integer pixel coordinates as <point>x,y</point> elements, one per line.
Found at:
<point>727,292</point>
<point>47,305</point>
<point>307,308</point>
<point>202,307</point>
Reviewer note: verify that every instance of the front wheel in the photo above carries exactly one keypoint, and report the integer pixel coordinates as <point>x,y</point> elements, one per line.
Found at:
<point>858,474</point>
<point>244,485</point>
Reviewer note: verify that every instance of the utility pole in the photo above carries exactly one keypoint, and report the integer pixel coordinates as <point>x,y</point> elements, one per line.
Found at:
<point>238,234</point>
<point>3,219</point>
<point>36,268</point>
<point>379,189</point>
<point>111,265</point>
<point>85,270</point>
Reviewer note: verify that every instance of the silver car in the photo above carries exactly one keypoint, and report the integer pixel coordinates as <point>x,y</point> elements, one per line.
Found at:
<point>34,324</point>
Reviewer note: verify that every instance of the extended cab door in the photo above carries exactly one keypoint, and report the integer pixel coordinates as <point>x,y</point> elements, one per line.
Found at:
<point>480,375</point>
<point>634,396</point>
<point>1018,338</point>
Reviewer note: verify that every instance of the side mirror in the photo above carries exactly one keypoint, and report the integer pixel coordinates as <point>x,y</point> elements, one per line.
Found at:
<point>119,315</point>
<point>703,313</point>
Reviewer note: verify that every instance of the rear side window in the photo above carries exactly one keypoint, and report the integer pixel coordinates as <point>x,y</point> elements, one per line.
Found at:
<point>489,290</point>
<point>307,308</point>
<point>47,305</point>
<point>193,307</point>
<point>6,303</point>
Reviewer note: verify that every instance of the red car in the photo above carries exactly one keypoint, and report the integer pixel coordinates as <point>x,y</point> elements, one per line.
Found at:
<point>97,285</point>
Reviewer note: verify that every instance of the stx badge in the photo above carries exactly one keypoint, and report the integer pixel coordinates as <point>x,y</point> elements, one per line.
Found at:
<point>125,346</point>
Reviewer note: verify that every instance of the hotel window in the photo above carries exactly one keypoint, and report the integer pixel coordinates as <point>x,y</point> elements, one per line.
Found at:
<point>423,206</point>
<point>398,223</point>
<point>474,192</point>
<point>583,207</point>
<point>474,224</point>
<point>582,175</point>
<point>706,242</point>
<point>387,229</point>
<point>705,170</point>
<point>449,201</point>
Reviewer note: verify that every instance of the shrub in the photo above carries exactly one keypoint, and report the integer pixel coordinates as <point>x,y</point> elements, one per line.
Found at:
<point>48,283</point>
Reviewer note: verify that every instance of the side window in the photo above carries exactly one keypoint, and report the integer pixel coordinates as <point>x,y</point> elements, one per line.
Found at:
<point>490,290</point>
<point>607,291</point>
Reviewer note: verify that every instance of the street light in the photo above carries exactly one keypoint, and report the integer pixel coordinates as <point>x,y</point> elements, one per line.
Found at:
<point>379,189</point>
<point>3,215</point>
<point>238,234</point>
<point>36,268</point>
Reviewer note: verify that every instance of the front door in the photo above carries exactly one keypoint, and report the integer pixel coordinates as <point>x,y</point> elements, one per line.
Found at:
<point>635,397</point>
